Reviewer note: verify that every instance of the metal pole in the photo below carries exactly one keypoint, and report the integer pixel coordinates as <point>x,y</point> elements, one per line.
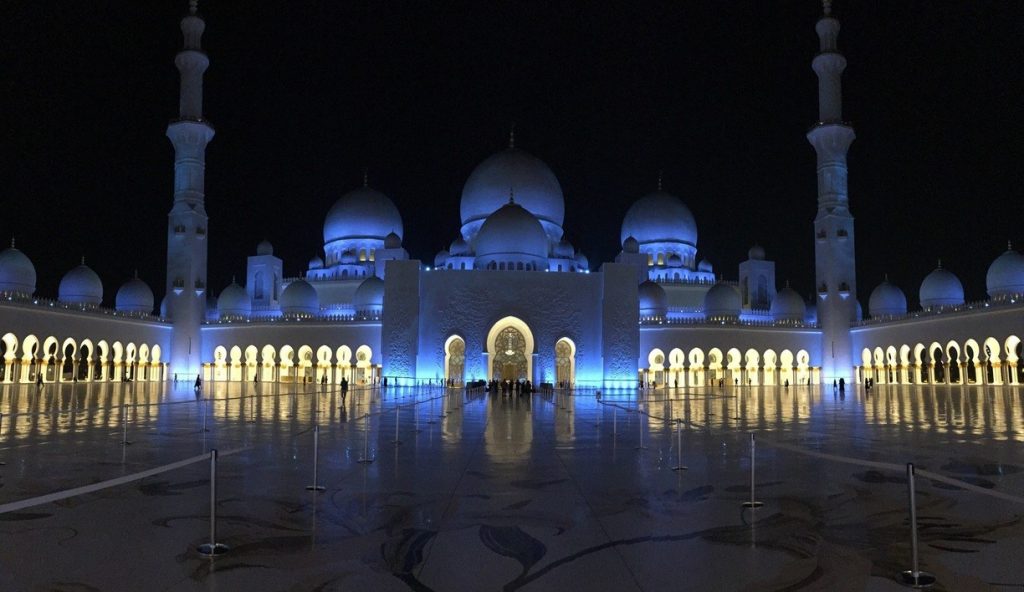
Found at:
<point>213,548</point>
<point>752,503</point>
<point>914,577</point>
<point>124,416</point>
<point>366,441</point>
<point>679,446</point>
<point>316,455</point>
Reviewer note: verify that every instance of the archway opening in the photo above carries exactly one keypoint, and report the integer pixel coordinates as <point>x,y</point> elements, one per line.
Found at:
<point>454,361</point>
<point>510,348</point>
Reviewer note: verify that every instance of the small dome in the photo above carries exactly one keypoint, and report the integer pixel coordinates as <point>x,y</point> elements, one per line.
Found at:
<point>300,299</point>
<point>564,250</point>
<point>1006,274</point>
<point>630,245</point>
<point>459,248</point>
<point>234,302</point>
<point>788,306</point>
<point>722,301</point>
<point>536,190</point>
<point>511,232</point>
<point>659,217</point>
<point>941,288</point>
<point>316,262</point>
<point>441,258</point>
<point>349,257</point>
<point>369,296</point>
<point>653,300</point>
<point>704,265</point>
<point>81,285</point>
<point>362,214</point>
<point>134,296</point>
<point>265,248</point>
<point>674,260</point>
<point>582,262</point>
<point>756,253</point>
<point>392,241</point>
<point>887,300</point>
<point>17,274</point>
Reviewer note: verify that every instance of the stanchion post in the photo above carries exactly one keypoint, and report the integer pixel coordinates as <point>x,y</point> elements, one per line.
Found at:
<point>316,455</point>
<point>679,446</point>
<point>213,548</point>
<point>914,577</point>
<point>366,442</point>
<point>124,422</point>
<point>753,503</point>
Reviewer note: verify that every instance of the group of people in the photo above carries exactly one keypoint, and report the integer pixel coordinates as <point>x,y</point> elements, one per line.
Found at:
<point>509,387</point>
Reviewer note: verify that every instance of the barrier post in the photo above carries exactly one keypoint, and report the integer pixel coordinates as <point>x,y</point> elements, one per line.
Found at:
<point>365,460</point>
<point>679,446</point>
<point>398,409</point>
<point>914,577</point>
<point>316,454</point>
<point>213,548</point>
<point>124,422</point>
<point>753,503</point>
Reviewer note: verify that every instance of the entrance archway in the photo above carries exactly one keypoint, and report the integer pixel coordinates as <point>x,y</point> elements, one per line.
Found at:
<point>565,362</point>
<point>454,360</point>
<point>510,348</point>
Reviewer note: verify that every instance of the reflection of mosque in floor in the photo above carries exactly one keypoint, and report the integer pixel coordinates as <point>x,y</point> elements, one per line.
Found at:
<point>366,310</point>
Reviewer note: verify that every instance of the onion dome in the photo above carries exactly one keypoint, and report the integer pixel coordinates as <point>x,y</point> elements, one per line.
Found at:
<point>300,299</point>
<point>564,250</point>
<point>316,262</point>
<point>17,274</point>
<point>459,248</point>
<point>788,306</point>
<point>674,260</point>
<point>659,217</point>
<point>369,296</point>
<point>653,300</point>
<point>134,296</point>
<point>756,253</point>
<point>392,241</point>
<point>887,300</point>
<point>582,262</point>
<point>704,265</point>
<point>265,248</point>
<point>536,187</point>
<point>941,288</point>
<point>81,285</point>
<point>234,302</point>
<point>722,301</point>
<point>362,214</point>
<point>1006,274</point>
<point>511,234</point>
<point>441,258</point>
<point>349,258</point>
<point>630,245</point>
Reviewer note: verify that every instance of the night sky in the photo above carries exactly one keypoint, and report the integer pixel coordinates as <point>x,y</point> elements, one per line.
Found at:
<point>719,95</point>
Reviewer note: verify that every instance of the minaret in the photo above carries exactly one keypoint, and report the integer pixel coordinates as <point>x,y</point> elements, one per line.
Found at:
<point>835,269</point>
<point>187,221</point>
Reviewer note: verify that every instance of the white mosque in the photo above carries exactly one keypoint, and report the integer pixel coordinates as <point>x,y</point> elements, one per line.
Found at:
<point>366,310</point>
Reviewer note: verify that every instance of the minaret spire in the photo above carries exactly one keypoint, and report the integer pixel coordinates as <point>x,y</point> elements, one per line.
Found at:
<point>835,264</point>
<point>187,223</point>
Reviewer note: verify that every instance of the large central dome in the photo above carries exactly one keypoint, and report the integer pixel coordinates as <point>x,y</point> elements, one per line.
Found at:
<point>534,185</point>
<point>362,214</point>
<point>659,217</point>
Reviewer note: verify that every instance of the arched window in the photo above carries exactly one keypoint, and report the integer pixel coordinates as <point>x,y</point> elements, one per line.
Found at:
<point>257,293</point>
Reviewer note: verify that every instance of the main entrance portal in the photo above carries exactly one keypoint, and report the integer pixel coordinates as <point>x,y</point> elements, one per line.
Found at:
<point>510,350</point>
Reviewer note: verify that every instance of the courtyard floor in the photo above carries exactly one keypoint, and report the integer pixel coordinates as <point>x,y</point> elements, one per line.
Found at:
<point>483,492</point>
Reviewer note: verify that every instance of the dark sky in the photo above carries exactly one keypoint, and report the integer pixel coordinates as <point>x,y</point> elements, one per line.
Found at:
<point>719,95</point>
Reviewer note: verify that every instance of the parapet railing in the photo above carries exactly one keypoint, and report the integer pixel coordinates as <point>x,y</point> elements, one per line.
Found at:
<point>21,299</point>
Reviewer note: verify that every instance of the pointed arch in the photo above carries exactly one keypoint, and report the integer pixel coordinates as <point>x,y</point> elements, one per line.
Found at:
<point>526,348</point>
<point>454,360</point>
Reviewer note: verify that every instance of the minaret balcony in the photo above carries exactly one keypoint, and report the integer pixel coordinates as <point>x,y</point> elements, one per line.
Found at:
<point>823,290</point>
<point>178,285</point>
<point>844,290</point>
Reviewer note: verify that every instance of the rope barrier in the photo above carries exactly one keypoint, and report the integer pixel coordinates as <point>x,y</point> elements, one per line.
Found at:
<point>59,495</point>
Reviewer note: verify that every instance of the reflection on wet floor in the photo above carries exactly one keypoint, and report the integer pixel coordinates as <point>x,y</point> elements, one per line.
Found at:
<point>473,491</point>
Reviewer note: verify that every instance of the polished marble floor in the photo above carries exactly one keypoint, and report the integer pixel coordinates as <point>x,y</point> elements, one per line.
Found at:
<point>483,492</point>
